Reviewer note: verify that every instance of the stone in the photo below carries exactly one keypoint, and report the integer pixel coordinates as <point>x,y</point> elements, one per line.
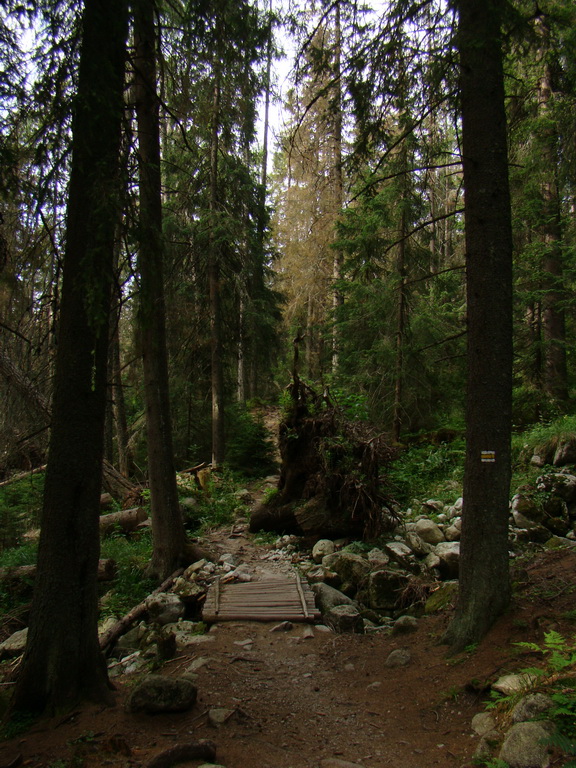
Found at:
<point>429,531</point>
<point>284,626</point>
<point>345,619</point>
<point>220,716</point>
<point>525,506</point>
<point>351,569</point>
<point>401,554</point>
<point>188,633</point>
<point>442,598</point>
<point>401,657</point>
<point>565,452</point>
<point>559,542</point>
<point>449,554</point>
<point>487,745</point>
<point>513,683</point>
<point>320,574</point>
<point>188,591</point>
<point>164,608</point>
<point>405,625</point>
<point>197,664</point>
<point>431,561</point>
<point>327,597</point>
<point>378,558</point>
<point>452,533</point>
<point>418,546</point>
<point>525,745</point>
<point>15,644</point>
<point>322,548</point>
<point>158,693</point>
<point>433,505</point>
<point>532,706</point>
<point>130,641</point>
<point>383,589</point>
<point>483,723</point>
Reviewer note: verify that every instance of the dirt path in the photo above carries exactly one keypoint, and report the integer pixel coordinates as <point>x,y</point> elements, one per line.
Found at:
<point>306,698</point>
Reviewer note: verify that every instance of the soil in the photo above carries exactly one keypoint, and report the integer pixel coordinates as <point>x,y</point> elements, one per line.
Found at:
<point>305,698</point>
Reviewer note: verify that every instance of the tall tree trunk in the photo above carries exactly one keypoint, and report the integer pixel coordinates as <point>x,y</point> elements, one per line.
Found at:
<point>169,537</point>
<point>553,316</point>
<point>337,181</point>
<point>400,327</point>
<point>217,371</point>
<point>484,590</point>
<point>119,404</point>
<point>63,664</point>
<point>256,287</point>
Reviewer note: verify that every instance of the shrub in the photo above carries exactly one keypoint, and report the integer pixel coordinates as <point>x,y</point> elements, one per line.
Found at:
<point>249,449</point>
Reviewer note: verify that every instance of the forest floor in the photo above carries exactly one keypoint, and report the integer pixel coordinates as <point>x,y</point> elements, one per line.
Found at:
<point>300,701</point>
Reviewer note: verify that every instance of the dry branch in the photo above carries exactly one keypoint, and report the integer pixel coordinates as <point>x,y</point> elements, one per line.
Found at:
<point>106,571</point>
<point>123,624</point>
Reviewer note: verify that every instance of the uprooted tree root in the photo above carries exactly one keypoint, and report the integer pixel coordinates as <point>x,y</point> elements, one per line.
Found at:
<point>331,479</point>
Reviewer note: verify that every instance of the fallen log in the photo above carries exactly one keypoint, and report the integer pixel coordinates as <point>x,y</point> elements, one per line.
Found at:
<point>107,571</point>
<point>22,476</point>
<point>126,521</point>
<point>123,624</point>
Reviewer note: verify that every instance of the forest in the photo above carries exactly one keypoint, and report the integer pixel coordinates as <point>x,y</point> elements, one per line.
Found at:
<point>211,212</point>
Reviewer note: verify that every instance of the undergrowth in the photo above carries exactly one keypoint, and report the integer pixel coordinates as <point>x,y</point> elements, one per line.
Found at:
<point>130,586</point>
<point>215,505</point>
<point>20,505</point>
<point>556,678</point>
<point>428,471</point>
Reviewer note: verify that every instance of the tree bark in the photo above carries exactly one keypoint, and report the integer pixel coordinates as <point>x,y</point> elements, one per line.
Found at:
<point>126,520</point>
<point>553,315</point>
<point>63,664</point>
<point>337,181</point>
<point>169,536</point>
<point>484,591</point>
<point>217,372</point>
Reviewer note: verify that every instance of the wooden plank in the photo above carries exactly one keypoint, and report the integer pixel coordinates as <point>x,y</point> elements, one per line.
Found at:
<point>272,600</point>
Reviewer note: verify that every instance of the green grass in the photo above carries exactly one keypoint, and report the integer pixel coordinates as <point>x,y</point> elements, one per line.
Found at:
<point>216,506</point>
<point>428,471</point>
<point>20,506</point>
<point>130,586</point>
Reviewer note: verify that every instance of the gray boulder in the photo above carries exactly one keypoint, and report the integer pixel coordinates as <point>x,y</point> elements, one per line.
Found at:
<point>449,554</point>
<point>351,569</point>
<point>525,745</point>
<point>377,558</point>
<point>483,723</point>
<point>327,597</point>
<point>158,693</point>
<point>565,452</point>
<point>429,531</point>
<point>401,657</point>
<point>321,549</point>
<point>530,707</point>
<point>418,545</point>
<point>164,608</point>
<point>345,619</point>
<point>14,645</point>
<point>383,589</point>
<point>405,625</point>
<point>401,554</point>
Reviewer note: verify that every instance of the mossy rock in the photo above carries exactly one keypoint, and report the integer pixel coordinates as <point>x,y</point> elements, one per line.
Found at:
<point>441,598</point>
